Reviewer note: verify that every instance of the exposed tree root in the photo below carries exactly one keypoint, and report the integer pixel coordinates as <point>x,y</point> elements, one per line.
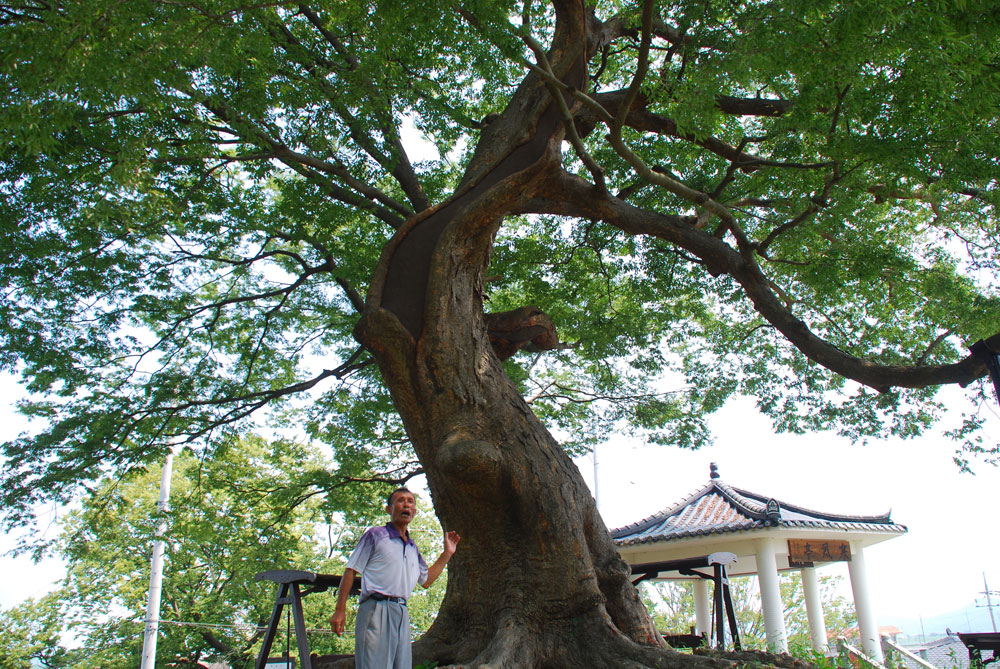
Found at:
<point>575,644</point>
<point>621,655</point>
<point>755,658</point>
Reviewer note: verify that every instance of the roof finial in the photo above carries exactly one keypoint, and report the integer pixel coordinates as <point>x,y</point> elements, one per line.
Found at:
<point>713,471</point>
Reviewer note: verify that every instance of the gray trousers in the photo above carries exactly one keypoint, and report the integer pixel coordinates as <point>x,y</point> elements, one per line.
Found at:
<point>382,636</point>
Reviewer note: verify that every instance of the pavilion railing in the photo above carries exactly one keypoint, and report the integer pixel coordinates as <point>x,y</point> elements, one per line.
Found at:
<point>856,657</point>
<point>889,647</point>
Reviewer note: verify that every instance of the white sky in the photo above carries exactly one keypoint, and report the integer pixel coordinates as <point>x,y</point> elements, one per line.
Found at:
<point>23,578</point>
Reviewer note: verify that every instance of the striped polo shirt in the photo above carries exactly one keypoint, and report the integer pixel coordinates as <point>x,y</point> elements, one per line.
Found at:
<point>388,563</point>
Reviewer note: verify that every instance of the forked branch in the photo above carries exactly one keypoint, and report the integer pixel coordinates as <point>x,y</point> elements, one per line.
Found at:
<point>721,258</point>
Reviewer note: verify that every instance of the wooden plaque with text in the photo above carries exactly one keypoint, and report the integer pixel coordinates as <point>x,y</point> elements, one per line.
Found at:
<point>805,552</point>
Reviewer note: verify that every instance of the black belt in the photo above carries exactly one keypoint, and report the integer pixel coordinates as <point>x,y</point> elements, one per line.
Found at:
<point>379,597</point>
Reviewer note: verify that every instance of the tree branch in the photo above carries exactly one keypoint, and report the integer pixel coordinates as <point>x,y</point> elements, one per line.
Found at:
<point>308,167</point>
<point>640,118</point>
<point>567,118</point>
<point>720,258</point>
<point>398,164</point>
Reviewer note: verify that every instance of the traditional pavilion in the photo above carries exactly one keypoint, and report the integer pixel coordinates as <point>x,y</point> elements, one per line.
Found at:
<point>767,536</point>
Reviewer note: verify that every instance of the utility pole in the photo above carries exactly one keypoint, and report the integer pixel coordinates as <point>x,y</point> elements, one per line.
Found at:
<point>989,601</point>
<point>156,568</point>
<point>597,494</point>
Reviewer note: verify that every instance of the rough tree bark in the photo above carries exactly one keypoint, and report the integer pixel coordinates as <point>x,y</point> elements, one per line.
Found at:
<point>537,582</point>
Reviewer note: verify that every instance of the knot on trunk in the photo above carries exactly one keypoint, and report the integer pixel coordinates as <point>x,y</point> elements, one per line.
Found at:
<point>526,327</point>
<point>473,461</point>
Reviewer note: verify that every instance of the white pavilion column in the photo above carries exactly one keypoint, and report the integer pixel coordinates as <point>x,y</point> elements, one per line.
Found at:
<point>702,609</point>
<point>867,627</point>
<point>770,596</point>
<point>814,609</point>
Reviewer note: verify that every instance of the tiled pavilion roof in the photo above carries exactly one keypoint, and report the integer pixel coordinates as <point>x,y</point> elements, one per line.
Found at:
<point>718,509</point>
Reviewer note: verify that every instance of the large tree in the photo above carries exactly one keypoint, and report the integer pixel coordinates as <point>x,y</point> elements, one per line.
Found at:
<point>232,517</point>
<point>204,199</point>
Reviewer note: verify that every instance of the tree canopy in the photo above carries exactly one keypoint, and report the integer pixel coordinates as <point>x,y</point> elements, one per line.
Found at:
<point>216,211</point>
<point>196,194</point>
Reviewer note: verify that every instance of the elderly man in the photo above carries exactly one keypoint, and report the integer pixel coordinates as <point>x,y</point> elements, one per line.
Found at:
<point>390,565</point>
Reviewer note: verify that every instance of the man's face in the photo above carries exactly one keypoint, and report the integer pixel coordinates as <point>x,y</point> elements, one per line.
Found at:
<point>402,508</point>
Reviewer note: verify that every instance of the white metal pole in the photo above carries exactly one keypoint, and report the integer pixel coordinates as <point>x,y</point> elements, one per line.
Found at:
<point>156,569</point>
<point>989,604</point>
<point>597,494</point>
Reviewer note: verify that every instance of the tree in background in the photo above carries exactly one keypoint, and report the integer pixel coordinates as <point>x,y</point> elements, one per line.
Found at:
<point>31,636</point>
<point>240,513</point>
<point>838,612</point>
<point>670,604</point>
<point>243,512</point>
<point>209,210</point>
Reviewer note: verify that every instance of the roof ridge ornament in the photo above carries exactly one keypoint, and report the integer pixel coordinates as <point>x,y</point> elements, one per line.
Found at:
<point>713,471</point>
<point>773,511</point>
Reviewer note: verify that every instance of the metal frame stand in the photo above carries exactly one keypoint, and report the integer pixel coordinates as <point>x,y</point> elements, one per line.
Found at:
<point>723,608</point>
<point>289,592</point>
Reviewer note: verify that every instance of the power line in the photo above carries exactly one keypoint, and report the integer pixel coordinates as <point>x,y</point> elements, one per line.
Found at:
<point>244,627</point>
<point>989,601</point>
<point>247,627</point>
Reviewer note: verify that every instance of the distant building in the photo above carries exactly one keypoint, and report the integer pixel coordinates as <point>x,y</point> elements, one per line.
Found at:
<point>945,653</point>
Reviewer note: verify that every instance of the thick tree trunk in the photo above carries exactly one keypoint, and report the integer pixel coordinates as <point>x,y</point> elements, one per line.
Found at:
<point>537,581</point>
